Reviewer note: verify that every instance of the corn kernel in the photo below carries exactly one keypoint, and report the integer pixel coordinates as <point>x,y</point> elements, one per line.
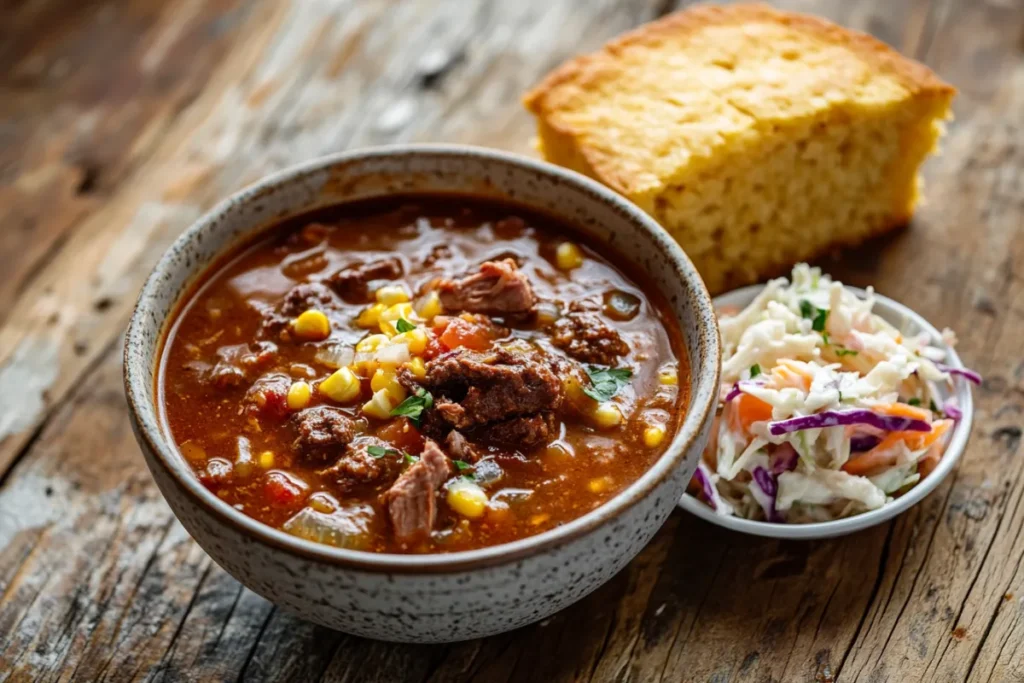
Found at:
<point>654,435</point>
<point>668,375</point>
<point>266,459</point>
<point>568,256</point>
<point>607,415</point>
<point>386,379</point>
<point>372,343</point>
<point>390,315</point>
<point>417,367</point>
<point>370,317</point>
<point>389,295</point>
<point>342,386</point>
<point>599,484</point>
<point>322,502</point>
<point>298,395</point>
<point>429,305</point>
<point>312,325</point>
<point>467,499</point>
<point>415,339</point>
<point>379,406</point>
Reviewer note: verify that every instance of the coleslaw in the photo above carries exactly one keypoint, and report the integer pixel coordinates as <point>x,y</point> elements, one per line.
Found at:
<point>826,409</point>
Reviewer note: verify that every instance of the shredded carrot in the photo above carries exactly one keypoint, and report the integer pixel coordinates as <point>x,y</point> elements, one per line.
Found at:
<point>791,374</point>
<point>746,410</point>
<point>903,410</point>
<point>885,453</point>
<point>926,464</point>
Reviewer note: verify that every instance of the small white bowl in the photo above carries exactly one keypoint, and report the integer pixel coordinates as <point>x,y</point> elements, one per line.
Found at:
<point>908,322</point>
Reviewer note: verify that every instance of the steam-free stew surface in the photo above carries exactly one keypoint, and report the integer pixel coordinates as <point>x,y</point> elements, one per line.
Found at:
<point>421,375</point>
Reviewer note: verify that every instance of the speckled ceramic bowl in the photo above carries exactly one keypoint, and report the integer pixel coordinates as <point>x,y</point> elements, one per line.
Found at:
<point>440,597</point>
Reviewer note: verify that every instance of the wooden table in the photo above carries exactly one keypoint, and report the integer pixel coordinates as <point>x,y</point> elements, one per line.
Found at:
<point>121,121</point>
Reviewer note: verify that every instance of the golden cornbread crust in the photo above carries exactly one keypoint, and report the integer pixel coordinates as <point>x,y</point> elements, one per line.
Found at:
<point>651,115</point>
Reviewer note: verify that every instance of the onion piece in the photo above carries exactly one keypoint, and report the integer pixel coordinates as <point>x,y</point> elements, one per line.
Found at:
<point>335,356</point>
<point>833,418</point>
<point>393,354</point>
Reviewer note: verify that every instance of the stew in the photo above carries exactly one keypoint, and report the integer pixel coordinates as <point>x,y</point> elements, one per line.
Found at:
<point>420,374</point>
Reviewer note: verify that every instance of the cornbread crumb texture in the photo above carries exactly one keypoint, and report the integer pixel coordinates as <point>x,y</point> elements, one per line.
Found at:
<point>757,138</point>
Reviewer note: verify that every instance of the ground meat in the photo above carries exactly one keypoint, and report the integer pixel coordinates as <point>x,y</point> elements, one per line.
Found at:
<point>412,499</point>
<point>297,301</point>
<point>498,288</point>
<point>356,466</point>
<point>476,387</point>
<point>267,398</point>
<point>323,433</point>
<point>523,432</point>
<point>352,282</point>
<point>588,338</point>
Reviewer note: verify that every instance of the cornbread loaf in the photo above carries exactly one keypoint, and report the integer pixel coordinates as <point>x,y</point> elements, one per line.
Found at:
<point>757,138</point>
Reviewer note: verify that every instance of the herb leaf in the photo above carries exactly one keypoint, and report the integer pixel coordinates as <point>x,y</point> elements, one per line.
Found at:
<point>845,352</point>
<point>816,315</point>
<point>413,406</point>
<point>807,309</point>
<point>461,465</point>
<point>411,459</point>
<point>755,370</point>
<point>818,325</point>
<point>403,325</point>
<point>606,382</point>
<point>934,408</point>
<point>914,401</point>
<point>381,451</point>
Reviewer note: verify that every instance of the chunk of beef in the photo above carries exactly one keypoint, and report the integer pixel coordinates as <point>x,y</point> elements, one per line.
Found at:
<point>587,337</point>
<point>298,300</point>
<point>356,466</point>
<point>226,376</point>
<point>412,499</point>
<point>352,282</point>
<point>522,432</point>
<point>460,447</point>
<point>323,433</point>
<point>267,398</point>
<point>476,387</point>
<point>498,288</point>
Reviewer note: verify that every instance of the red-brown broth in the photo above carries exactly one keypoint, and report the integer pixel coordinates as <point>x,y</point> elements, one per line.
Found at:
<point>539,489</point>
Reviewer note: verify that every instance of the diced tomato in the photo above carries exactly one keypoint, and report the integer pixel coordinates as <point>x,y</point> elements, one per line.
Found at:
<point>402,434</point>
<point>462,333</point>
<point>284,490</point>
<point>217,473</point>
<point>434,349</point>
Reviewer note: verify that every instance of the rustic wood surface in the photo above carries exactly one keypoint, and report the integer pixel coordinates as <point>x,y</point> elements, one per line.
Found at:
<point>122,120</point>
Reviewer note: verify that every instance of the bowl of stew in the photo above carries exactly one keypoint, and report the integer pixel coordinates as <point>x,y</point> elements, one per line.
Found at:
<point>423,393</point>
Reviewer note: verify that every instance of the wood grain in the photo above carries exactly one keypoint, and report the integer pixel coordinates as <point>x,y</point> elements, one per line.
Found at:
<point>109,148</point>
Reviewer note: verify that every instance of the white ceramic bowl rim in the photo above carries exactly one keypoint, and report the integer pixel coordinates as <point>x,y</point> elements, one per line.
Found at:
<point>837,527</point>
<point>702,397</point>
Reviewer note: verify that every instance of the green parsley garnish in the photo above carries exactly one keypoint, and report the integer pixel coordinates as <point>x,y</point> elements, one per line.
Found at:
<point>934,408</point>
<point>606,382</point>
<point>755,370</point>
<point>403,325</point>
<point>825,338</point>
<point>380,451</point>
<point>845,352</point>
<point>461,465</point>
<point>914,401</point>
<point>807,309</point>
<point>410,458</point>
<point>816,315</point>
<point>413,406</point>
<point>818,325</point>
